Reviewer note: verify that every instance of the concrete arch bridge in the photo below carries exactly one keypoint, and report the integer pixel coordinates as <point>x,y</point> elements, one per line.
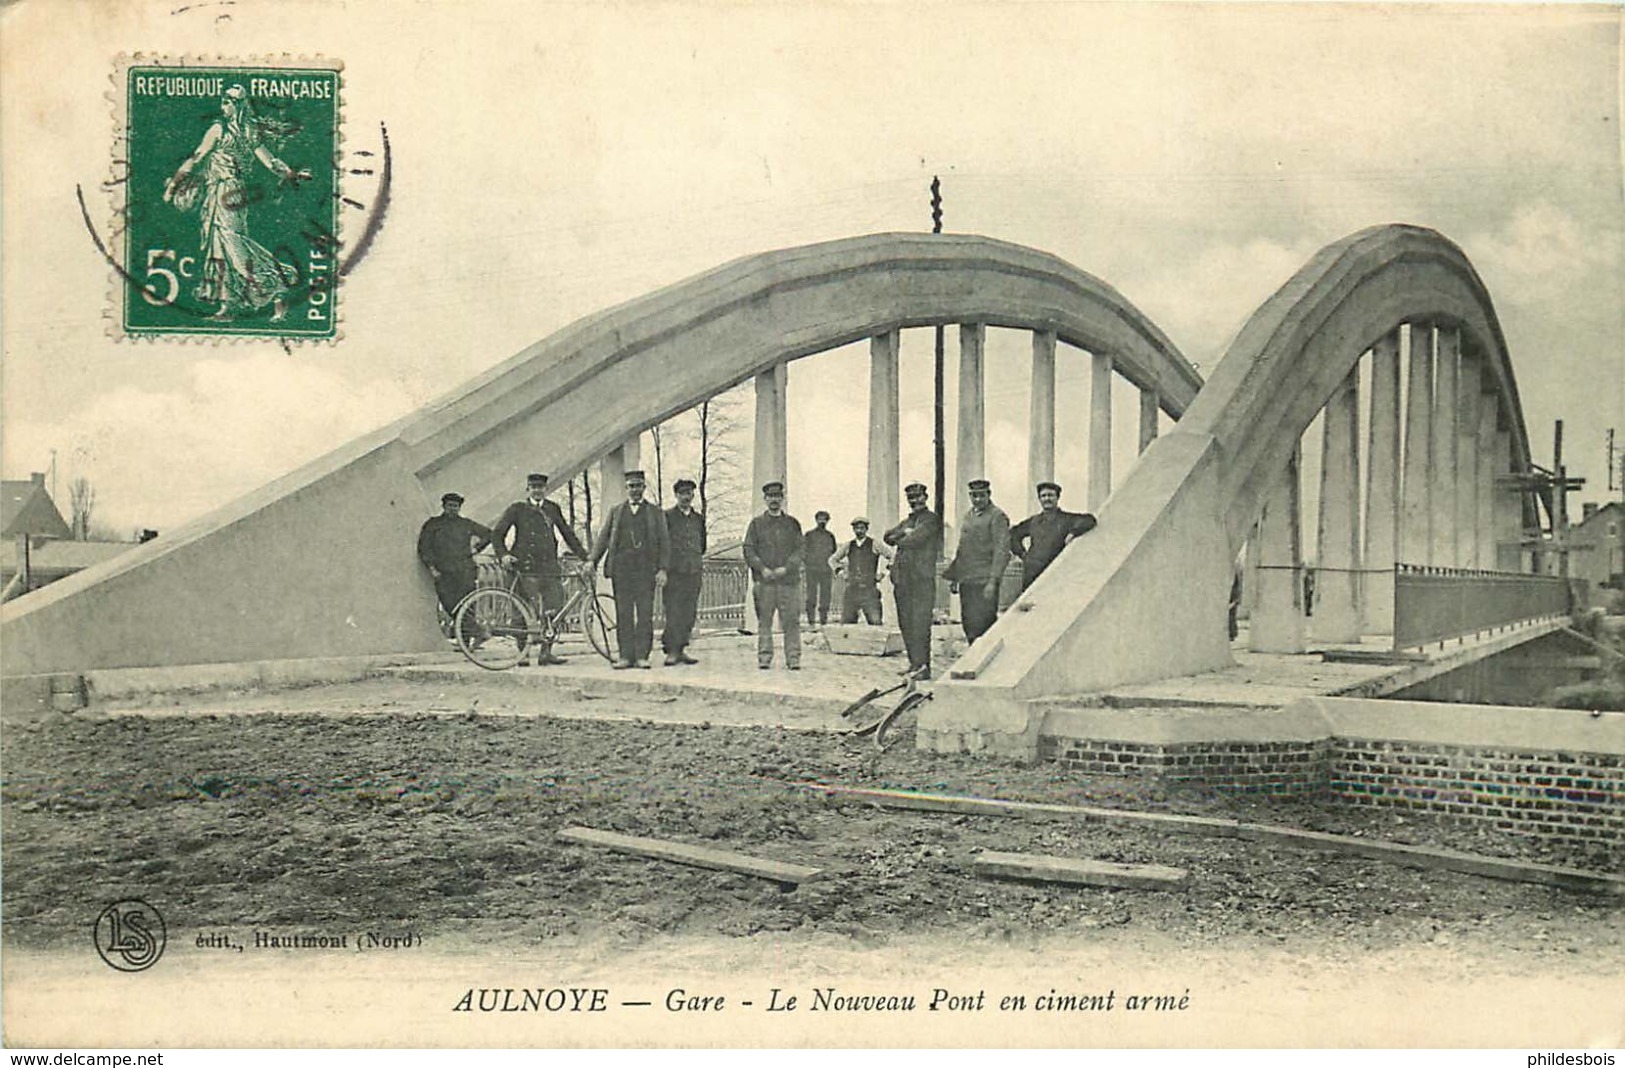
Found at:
<point>320,563</point>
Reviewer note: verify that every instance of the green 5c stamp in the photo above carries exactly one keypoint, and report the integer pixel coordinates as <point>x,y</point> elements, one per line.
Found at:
<point>229,199</point>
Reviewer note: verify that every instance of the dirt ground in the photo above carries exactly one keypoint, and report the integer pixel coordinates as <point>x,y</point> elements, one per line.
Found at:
<point>358,805</point>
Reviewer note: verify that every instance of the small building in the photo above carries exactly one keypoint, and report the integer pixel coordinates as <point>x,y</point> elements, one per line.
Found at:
<point>1596,546</point>
<point>27,508</point>
<point>32,530</point>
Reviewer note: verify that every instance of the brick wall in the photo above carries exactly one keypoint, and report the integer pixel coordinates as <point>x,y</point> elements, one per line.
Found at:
<point>1483,766</point>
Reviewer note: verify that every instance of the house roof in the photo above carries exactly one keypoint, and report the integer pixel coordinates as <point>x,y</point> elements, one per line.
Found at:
<point>1613,508</point>
<point>56,558</point>
<point>26,508</point>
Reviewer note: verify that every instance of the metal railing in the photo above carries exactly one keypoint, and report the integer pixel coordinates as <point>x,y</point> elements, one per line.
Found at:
<point>1433,604</point>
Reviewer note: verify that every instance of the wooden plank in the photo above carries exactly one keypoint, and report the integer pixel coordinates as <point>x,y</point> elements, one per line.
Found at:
<point>1084,872</point>
<point>1163,822</point>
<point>698,856</point>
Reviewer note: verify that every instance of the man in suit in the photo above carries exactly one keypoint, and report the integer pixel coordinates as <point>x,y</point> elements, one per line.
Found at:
<point>446,546</point>
<point>918,541</point>
<point>819,547</point>
<point>536,524</point>
<point>774,550</point>
<point>1039,539</point>
<point>686,528</point>
<point>979,562</point>
<point>860,558</point>
<point>635,548</point>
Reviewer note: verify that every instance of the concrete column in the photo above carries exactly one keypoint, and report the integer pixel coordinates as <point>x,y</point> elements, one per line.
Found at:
<point>1442,473</point>
<point>612,483</point>
<point>1249,576</point>
<point>1337,575</point>
<point>770,459</point>
<point>1509,550</point>
<point>1041,417</point>
<point>1484,495</point>
<point>1466,521</point>
<point>1278,624</point>
<point>1148,417</point>
<point>884,474</point>
<point>1416,509</point>
<point>1100,429</point>
<point>970,458</point>
<point>632,454</point>
<point>1382,489</point>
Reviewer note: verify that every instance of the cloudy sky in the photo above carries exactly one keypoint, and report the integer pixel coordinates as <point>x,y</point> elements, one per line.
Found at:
<point>554,160</point>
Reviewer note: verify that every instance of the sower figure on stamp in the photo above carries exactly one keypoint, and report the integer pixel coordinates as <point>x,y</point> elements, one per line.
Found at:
<point>860,559</point>
<point>686,528</point>
<point>239,274</point>
<point>635,548</point>
<point>1039,539</point>
<point>773,550</point>
<point>446,546</point>
<point>979,562</point>
<point>818,547</point>
<point>918,541</point>
<point>536,524</point>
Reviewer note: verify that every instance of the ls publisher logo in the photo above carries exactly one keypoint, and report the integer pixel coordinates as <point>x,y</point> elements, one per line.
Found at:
<point>130,935</point>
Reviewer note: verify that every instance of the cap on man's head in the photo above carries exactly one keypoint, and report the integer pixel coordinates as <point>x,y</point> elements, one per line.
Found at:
<point>860,522</point>
<point>979,484</point>
<point>820,515</point>
<point>915,488</point>
<point>536,478</point>
<point>770,489</point>
<point>684,484</point>
<point>451,498</point>
<point>1042,486</point>
<point>635,476</point>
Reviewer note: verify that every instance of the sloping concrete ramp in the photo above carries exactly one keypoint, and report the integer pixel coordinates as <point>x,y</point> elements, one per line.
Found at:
<point>1144,596</point>
<point>321,563</point>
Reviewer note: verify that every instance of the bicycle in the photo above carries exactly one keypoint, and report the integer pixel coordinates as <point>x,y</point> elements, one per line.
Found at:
<point>495,626</point>
<point>887,726</point>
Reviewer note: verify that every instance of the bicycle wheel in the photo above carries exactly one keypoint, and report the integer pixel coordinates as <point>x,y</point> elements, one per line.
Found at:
<point>598,624</point>
<point>900,721</point>
<point>492,628</point>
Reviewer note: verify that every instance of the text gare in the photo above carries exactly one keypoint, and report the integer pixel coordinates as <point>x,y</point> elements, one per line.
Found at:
<point>534,999</point>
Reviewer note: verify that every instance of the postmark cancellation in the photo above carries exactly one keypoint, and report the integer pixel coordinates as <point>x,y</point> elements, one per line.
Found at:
<point>226,198</point>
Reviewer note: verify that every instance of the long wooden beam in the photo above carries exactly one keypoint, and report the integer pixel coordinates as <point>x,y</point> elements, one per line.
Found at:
<point>696,856</point>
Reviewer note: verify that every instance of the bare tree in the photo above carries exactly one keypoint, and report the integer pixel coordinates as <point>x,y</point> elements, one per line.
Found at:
<point>721,461</point>
<point>82,500</point>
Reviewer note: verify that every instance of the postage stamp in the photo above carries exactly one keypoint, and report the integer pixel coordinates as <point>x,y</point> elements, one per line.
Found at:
<point>228,198</point>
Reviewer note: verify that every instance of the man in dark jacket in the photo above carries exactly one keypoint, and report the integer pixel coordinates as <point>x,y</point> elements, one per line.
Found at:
<point>819,546</point>
<point>686,528</point>
<point>774,549</point>
<point>446,546</point>
<point>1039,539</point>
<point>636,549</point>
<point>918,541</point>
<point>536,524</point>
<point>979,561</point>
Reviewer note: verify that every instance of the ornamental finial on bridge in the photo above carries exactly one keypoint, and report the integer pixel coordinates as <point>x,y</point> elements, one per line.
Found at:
<point>936,204</point>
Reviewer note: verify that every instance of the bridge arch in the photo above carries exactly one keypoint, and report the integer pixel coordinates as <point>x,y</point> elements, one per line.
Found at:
<point>1145,595</point>
<point>320,562</point>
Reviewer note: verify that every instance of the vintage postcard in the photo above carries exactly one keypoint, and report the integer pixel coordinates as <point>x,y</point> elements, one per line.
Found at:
<point>811,525</point>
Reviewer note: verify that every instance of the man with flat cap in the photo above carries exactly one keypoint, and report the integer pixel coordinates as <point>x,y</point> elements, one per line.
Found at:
<point>819,547</point>
<point>918,541</point>
<point>1039,539</point>
<point>636,549</point>
<point>979,562</point>
<point>774,550</point>
<point>446,546</point>
<point>536,524</point>
<point>860,558</point>
<point>685,526</point>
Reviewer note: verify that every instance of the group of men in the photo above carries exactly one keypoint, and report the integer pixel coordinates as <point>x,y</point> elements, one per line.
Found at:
<point>643,549</point>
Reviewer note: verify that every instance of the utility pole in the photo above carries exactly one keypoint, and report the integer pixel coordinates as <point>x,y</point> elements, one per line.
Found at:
<point>938,426</point>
